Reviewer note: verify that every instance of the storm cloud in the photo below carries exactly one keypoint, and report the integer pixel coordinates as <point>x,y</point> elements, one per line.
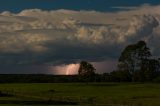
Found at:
<point>58,37</point>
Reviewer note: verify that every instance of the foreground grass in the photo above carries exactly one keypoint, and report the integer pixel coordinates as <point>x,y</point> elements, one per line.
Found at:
<point>109,94</point>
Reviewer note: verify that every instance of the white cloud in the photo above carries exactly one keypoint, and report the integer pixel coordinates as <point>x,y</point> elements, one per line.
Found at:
<point>74,35</point>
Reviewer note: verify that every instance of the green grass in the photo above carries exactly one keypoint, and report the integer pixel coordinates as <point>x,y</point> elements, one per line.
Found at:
<point>108,94</point>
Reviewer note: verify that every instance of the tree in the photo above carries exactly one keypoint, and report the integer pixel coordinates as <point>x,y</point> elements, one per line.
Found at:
<point>152,69</point>
<point>149,70</point>
<point>134,58</point>
<point>120,76</point>
<point>86,71</point>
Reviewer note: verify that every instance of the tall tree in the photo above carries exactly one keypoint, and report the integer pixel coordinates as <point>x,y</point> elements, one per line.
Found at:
<point>134,57</point>
<point>86,71</point>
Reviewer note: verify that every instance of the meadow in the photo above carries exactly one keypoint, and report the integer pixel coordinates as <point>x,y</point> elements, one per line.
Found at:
<point>91,94</point>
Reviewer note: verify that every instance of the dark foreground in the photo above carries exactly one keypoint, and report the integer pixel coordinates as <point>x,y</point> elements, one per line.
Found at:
<point>110,94</point>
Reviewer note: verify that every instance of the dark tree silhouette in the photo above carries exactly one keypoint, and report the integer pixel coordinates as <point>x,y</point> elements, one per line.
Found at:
<point>133,56</point>
<point>135,59</point>
<point>86,71</point>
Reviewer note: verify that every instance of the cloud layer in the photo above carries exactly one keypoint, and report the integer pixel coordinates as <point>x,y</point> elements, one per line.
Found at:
<point>63,36</point>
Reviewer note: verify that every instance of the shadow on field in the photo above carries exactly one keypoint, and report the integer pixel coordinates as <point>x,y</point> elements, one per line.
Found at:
<point>37,102</point>
<point>2,94</point>
<point>102,84</point>
<point>96,84</point>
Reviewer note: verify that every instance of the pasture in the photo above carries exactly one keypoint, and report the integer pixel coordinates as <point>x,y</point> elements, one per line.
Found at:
<point>91,94</point>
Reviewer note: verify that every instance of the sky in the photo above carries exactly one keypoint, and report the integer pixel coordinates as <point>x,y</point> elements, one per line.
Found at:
<point>97,5</point>
<point>53,36</point>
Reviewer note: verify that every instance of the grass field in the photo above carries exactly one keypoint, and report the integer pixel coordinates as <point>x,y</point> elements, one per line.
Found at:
<point>92,94</point>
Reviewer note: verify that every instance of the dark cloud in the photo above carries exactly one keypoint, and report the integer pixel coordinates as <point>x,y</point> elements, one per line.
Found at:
<point>37,37</point>
<point>64,36</point>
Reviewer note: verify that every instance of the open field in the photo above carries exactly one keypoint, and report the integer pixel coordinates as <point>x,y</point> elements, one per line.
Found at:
<point>108,94</point>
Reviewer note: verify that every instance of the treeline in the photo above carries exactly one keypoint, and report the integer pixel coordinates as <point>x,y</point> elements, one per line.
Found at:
<point>37,78</point>
<point>40,78</point>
